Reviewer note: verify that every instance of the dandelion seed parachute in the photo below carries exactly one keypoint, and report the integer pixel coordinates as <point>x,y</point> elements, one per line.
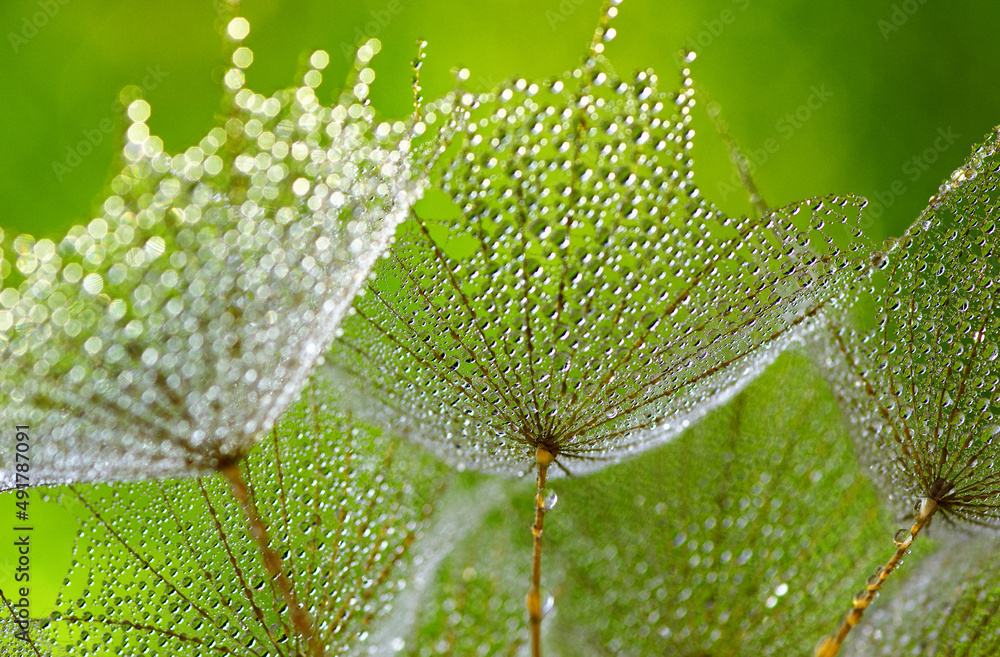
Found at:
<point>588,299</point>
<point>163,337</point>
<point>918,375</point>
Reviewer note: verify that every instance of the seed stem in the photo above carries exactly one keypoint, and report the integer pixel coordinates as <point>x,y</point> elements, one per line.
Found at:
<point>830,645</point>
<point>534,598</point>
<point>272,562</point>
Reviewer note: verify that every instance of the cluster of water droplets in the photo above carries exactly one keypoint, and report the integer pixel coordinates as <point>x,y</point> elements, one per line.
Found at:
<point>920,373</point>
<point>586,298</point>
<point>164,336</point>
<point>741,553</point>
<point>958,582</point>
<point>170,567</point>
<point>733,539</point>
<point>476,604</point>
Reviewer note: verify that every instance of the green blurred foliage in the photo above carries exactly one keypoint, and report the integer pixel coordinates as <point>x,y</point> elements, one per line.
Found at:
<point>889,91</point>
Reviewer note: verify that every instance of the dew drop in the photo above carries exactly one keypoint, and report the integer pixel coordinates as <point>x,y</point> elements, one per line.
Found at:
<point>546,499</point>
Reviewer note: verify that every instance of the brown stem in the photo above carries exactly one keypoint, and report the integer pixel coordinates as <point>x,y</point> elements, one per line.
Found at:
<point>534,598</point>
<point>272,562</point>
<point>830,645</point>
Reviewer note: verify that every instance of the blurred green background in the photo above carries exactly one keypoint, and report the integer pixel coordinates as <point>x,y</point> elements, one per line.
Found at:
<point>890,76</point>
<point>881,99</point>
